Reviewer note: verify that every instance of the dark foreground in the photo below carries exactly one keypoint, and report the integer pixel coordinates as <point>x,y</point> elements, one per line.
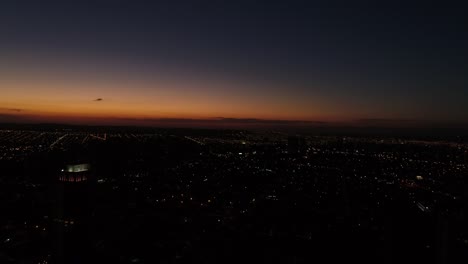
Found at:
<point>193,196</point>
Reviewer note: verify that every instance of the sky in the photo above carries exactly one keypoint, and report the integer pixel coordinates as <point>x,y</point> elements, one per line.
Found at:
<point>232,62</point>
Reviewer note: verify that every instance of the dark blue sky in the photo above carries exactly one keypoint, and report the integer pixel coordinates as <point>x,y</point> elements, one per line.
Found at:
<point>387,61</point>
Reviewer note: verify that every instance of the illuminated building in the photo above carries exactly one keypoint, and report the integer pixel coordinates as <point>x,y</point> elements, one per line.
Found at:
<point>72,210</point>
<point>75,173</point>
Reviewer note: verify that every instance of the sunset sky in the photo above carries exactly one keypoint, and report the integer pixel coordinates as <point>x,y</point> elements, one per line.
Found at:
<point>131,62</point>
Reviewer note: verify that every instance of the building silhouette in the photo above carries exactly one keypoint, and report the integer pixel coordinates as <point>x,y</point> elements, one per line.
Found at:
<point>296,145</point>
<point>72,212</point>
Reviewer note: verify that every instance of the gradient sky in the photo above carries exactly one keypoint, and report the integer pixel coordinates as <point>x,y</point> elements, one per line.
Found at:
<point>127,62</point>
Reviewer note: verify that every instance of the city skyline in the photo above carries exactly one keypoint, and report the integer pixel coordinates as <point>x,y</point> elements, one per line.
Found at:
<point>233,132</point>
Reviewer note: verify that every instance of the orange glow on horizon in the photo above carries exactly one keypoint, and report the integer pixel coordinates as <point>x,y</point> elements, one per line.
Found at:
<point>62,100</point>
<point>40,97</point>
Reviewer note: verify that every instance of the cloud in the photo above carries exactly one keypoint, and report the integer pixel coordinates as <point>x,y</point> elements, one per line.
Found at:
<point>13,118</point>
<point>221,122</point>
<point>11,109</point>
<point>384,120</point>
<point>390,122</point>
<point>267,121</point>
<point>98,100</point>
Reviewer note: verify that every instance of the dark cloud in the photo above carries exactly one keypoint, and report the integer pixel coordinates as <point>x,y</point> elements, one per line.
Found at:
<point>267,121</point>
<point>13,118</point>
<point>385,120</point>
<point>221,122</point>
<point>98,100</point>
<point>11,109</point>
<point>398,122</point>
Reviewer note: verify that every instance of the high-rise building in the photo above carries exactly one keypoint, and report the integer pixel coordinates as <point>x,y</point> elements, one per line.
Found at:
<point>296,145</point>
<point>466,158</point>
<point>72,211</point>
